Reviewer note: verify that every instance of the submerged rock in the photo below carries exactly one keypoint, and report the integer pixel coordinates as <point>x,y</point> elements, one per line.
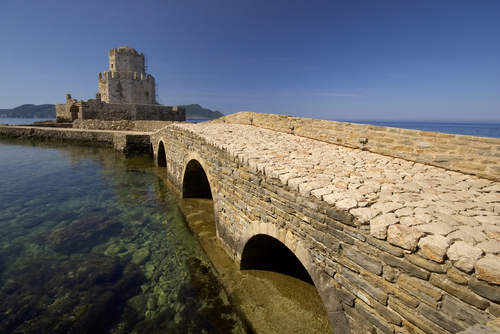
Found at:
<point>75,297</point>
<point>82,235</point>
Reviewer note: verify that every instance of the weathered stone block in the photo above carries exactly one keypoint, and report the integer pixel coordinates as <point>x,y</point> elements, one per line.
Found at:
<point>414,317</point>
<point>389,315</point>
<point>364,261</point>
<point>404,265</point>
<point>342,217</point>
<point>464,312</point>
<point>456,277</point>
<point>426,264</point>
<point>404,236</point>
<point>353,289</point>
<point>492,292</point>
<point>488,269</point>
<point>464,255</point>
<point>386,247</point>
<point>340,235</point>
<point>374,319</point>
<point>390,274</point>
<point>422,290</point>
<point>434,247</point>
<point>440,318</point>
<point>379,225</point>
<point>459,291</point>
<point>365,286</point>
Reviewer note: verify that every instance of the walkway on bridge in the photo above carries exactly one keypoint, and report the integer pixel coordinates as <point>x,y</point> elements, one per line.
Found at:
<point>411,205</point>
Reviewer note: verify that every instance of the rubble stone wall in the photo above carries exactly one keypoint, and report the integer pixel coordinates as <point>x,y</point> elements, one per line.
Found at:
<point>468,154</point>
<point>123,125</point>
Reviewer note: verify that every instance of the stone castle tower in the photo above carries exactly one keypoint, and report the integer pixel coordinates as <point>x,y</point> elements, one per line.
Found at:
<point>127,81</point>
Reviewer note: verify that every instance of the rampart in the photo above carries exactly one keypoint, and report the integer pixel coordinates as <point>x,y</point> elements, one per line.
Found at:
<point>100,110</point>
<point>124,142</point>
<point>467,154</point>
<point>122,125</point>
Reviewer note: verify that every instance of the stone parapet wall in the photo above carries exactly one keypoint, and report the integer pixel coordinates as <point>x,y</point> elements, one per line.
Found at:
<point>136,143</point>
<point>95,109</point>
<point>89,137</point>
<point>142,126</point>
<point>467,154</point>
<point>367,285</point>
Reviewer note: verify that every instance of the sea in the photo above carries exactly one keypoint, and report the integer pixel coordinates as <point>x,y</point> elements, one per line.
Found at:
<point>94,242</point>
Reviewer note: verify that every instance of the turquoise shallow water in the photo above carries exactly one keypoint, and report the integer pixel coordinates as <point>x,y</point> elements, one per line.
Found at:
<point>92,242</point>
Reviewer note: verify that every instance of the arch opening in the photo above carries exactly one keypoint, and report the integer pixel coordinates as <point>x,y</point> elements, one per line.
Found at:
<point>74,110</point>
<point>263,252</point>
<point>195,183</point>
<point>162,156</point>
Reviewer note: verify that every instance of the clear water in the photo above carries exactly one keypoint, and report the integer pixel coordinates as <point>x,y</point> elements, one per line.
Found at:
<point>92,242</point>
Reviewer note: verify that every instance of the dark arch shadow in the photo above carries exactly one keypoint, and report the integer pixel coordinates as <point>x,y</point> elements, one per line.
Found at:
<point>263,252</point>
<point>162,157</point>
<point>73,111</point>
<point>151,152</point>
<point>195,183</point>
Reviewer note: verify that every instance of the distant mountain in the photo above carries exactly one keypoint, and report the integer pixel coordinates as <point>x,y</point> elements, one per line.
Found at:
<point>30,111</point>
<point>193,111</point>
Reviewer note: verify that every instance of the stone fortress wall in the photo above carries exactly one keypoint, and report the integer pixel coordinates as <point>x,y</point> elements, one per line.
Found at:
<point>467,154</point>
<point>121,125</point>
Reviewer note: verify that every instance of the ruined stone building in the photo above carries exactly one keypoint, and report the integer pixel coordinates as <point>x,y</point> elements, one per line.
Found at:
<point>126,92</point>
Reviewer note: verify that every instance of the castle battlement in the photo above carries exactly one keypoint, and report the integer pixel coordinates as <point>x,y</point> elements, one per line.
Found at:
<point>125,75</point>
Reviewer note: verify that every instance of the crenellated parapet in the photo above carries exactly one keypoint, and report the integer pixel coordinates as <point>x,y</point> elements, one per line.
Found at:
<point>107,75</point>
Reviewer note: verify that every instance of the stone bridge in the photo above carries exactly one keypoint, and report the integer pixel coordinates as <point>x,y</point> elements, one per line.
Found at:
<point>392,245</point>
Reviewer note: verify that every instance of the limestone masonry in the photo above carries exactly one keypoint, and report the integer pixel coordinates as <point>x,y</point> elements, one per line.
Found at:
<point>392,245</point>
<point>126,92</point>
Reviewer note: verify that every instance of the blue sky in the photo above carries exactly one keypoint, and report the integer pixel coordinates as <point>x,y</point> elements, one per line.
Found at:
<point>342,60</point>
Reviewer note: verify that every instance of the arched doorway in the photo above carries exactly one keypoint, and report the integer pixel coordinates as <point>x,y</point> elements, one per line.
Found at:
<point>195,183</point>
<point>73,111</point>
<point>162,157</point>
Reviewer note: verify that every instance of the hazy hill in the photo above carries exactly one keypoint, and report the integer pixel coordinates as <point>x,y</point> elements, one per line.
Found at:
<point>30,111</point>
<point>193,111</point>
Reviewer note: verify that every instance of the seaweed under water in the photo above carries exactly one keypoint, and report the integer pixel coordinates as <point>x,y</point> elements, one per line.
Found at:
<point>91,242</point>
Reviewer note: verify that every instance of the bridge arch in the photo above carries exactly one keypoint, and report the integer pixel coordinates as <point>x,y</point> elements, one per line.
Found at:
<point>195,179</point>
<point>161,156</point>
<point>261,237</point>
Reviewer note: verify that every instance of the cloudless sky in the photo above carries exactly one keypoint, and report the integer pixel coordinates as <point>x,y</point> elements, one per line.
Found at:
<point>343,60</point>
